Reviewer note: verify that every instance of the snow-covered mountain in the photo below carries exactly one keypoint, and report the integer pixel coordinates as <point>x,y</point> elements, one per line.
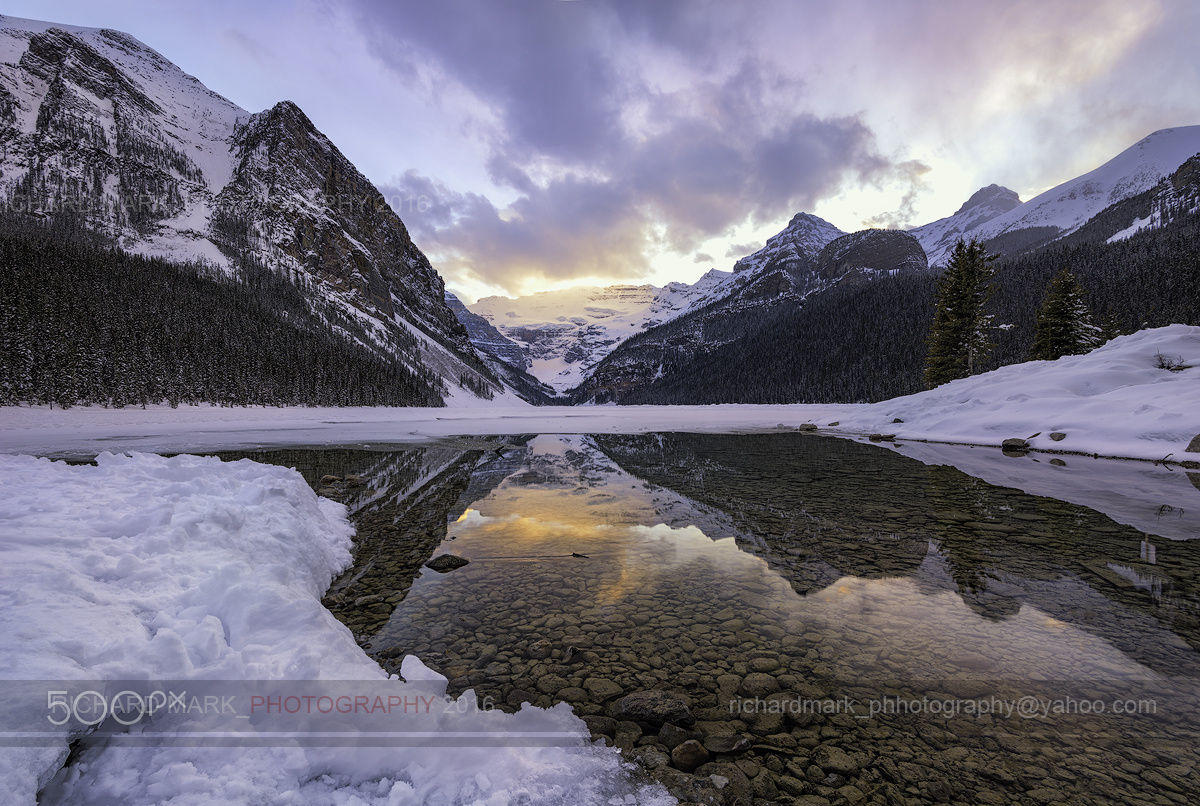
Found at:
<point>503,356</point>
<point>666,353</point>
<point>563,334</point>
<point>1066,207</point>
<point>938,237</point>
<point>96,125</point>
<point>800,241</point>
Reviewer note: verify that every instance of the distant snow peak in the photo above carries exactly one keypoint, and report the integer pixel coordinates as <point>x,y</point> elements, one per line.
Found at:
<point>566,332</point>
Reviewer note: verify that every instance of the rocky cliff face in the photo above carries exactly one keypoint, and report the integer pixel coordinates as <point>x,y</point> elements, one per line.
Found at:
<point>97,126</point>
<point>871,252</point>
<point>501,354</point>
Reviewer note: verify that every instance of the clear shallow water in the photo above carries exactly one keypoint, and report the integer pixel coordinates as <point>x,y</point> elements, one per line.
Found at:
<point>832,614</point>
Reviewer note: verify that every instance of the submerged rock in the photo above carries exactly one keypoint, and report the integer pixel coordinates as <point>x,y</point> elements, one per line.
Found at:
<point>602,688</point>
<point>655,707</point>
<point>832,758</point>
<point>689,755</point>
<point>446,562</point>
<point>731,743</point>
<point>758,684</point>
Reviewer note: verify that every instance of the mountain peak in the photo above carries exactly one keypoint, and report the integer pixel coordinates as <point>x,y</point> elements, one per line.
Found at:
<point>801,240</point>
<point>810,220</point>
<point>997,197</point>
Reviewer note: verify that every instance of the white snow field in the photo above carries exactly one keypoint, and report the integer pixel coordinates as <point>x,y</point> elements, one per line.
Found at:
<point>1112,402</point>
<point>189,568</point>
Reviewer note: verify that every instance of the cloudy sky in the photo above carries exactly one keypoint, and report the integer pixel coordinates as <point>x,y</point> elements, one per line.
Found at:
<point>540,144</point>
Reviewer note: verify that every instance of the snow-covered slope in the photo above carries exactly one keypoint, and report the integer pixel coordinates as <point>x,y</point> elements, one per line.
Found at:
<point>1114,401</point>
<point>1063,209</point>
<point>938,237</point>
<point>97,125</point>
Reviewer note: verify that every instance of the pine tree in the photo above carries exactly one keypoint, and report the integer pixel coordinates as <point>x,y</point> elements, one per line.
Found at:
<point>961,334</point>
<point>1064,323</point>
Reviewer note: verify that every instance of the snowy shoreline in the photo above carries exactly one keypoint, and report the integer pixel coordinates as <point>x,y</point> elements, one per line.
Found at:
<point>1113,402</point>
<point>195,571</point>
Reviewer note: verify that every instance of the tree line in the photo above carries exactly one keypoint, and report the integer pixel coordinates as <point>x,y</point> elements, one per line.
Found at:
<point>83,323</point>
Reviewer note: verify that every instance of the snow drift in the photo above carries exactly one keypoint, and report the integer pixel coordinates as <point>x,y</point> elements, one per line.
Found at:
<point>143,567</point>
<point>1113,401</point>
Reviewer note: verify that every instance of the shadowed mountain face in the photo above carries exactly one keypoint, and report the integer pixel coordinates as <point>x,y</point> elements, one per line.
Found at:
<point>804,265</point>
<point>817,517</point>
<point>502,355</point>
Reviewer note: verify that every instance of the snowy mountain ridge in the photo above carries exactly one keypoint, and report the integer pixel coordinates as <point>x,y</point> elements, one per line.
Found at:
<point>98,126</point>
<point>803,238</point>
<point>938,237</point>
<point>1066,207</point>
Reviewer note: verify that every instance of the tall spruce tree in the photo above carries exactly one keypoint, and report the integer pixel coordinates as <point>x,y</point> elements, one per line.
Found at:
<point>961,334</point>
<point>1064,323</point>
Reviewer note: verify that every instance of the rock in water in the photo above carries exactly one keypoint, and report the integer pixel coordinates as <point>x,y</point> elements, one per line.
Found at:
<point>655,707</point>
<point>689,755</point>
<point>446,562</point>
<point>831,758</point>
<point>1015,445</point>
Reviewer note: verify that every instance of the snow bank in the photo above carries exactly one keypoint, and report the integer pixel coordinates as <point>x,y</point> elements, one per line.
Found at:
<point>1112,402</point>
<point>145,568</point>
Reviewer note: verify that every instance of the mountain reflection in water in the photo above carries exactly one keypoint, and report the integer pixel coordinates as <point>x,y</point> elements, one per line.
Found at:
<point>783,566</point>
